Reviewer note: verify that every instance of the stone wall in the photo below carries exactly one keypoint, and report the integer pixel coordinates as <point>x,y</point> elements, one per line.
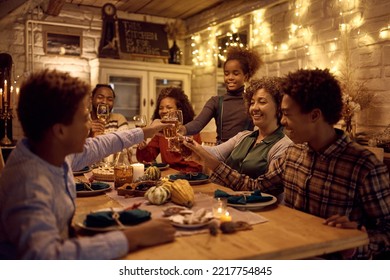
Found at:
<point>316,42</point>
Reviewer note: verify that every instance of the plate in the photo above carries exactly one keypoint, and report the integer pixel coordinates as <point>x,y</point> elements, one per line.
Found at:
<point>198,182</point>
<point>82,171</point>
<point>161,166</point>
<point>254,206</point>
<point>81,224</point>
<point>190,226</point>
<point>203,178</point>
<point>100,229</point>
<point>94,192</point>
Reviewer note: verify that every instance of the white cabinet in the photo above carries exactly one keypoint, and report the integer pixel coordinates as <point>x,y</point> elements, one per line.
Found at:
<point>137,83</point>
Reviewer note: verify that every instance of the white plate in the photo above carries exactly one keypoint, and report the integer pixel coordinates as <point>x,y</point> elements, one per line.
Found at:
<point>256,205</point>
<point>190,226</point>
<point>81,223</point>
<point>93,193</point>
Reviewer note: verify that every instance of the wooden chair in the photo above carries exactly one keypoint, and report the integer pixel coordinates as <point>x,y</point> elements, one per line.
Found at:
<point>1,160</point>
<point>209,138</point>
<point>379,152</point>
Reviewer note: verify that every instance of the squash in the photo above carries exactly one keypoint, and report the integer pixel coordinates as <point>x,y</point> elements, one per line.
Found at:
<point>158,195</point>
<point>153,173</point>
<point>181,192</point>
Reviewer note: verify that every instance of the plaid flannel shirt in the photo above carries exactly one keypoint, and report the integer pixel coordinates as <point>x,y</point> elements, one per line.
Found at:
<point>345,179</point>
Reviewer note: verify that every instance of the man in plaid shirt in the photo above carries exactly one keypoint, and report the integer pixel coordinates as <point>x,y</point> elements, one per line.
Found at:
<point>324,173</point>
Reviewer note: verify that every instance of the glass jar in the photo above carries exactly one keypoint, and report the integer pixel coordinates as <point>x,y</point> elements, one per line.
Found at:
<point>123,171</point>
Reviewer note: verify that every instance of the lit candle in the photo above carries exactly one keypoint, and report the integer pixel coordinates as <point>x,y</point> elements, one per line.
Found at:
<point>10,96</point>
<point>226,217</point>
<point>138,170</point>
<point>5,91</point>
<point>17,96</point>
<point>1,98</point>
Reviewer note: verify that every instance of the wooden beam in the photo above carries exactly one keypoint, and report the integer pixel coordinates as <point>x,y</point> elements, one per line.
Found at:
<point>54,7</point>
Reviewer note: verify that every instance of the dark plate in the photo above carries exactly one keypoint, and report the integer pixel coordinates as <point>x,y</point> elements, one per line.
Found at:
<point>82,171</point>
<point>192,178</point>
<point>98,188</point>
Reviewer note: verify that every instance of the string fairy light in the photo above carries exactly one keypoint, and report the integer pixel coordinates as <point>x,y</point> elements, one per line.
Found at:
<point>209,46</point>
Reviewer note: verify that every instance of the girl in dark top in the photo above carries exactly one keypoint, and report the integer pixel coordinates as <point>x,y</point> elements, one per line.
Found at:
<point>229,110</point>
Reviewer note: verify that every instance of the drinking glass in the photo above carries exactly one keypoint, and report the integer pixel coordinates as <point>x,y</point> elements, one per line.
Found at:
<point>140,121</point>
<point>103,112</point>
<point>183,149</point>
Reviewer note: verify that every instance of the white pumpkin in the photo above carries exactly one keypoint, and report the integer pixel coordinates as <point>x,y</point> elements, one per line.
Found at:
<point>158,195</point>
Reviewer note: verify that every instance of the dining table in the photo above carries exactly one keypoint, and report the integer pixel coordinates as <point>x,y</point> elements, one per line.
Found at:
<point>285,234</point>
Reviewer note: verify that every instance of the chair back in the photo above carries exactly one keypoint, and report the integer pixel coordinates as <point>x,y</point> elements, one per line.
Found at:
<point>379,152</point>
<point>209,138</point>
<point>1,160</point>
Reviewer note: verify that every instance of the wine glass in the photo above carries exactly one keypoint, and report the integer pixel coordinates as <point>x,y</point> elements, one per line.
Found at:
<point>103,112</point>
<point>174,117</point>
<point>140,121</point>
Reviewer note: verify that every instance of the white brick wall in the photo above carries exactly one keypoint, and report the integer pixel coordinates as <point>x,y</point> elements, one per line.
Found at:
<point>370,54</point>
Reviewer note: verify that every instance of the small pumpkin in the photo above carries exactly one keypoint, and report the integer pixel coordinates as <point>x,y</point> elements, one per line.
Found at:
<point>158,195</point>
<point>181,192</point>
<point>153,173</point>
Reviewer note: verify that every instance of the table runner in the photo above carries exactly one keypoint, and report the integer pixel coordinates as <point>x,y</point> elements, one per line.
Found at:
<point>201,201</point>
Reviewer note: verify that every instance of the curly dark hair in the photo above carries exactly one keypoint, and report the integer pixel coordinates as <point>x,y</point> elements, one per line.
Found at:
<point>182,103</point>
<point>270,85</point>
<point>313,89</point>
<point>250,60</point>
<point>49,97</point>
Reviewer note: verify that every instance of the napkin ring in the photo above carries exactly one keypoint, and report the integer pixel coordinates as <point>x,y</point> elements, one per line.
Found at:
<point>115,216</point>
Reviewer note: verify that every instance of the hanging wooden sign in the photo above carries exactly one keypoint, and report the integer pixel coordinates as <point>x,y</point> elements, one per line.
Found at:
<point>142,39</point>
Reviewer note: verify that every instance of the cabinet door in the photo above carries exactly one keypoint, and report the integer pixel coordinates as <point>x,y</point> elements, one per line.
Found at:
<point>160,80</point>
<point>130,90</point>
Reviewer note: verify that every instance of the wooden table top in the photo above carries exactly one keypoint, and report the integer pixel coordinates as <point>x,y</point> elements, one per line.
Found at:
<point>289,234</point>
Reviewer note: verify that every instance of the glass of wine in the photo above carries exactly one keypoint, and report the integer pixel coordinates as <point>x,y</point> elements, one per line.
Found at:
<point>140,121</point>
<point>103,112</point>
<point>174,117</point>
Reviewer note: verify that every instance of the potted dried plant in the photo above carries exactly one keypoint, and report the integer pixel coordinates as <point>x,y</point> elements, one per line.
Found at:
<point>175,30</point>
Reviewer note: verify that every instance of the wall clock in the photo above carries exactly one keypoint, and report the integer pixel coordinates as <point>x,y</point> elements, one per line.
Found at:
<point>108,46</point>
<point>109,10</point>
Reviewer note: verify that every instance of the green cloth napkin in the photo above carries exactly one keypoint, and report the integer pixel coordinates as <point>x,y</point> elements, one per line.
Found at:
<point>127,218</point>
<point>189,176</point>
<point>243,199</point>
<point>95,186</point>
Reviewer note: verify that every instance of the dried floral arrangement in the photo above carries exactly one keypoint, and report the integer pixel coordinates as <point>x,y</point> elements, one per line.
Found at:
<point>356,95</point>
<point>175,29</point>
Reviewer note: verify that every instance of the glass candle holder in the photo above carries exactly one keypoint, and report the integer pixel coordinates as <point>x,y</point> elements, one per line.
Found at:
<point>219,207</point>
